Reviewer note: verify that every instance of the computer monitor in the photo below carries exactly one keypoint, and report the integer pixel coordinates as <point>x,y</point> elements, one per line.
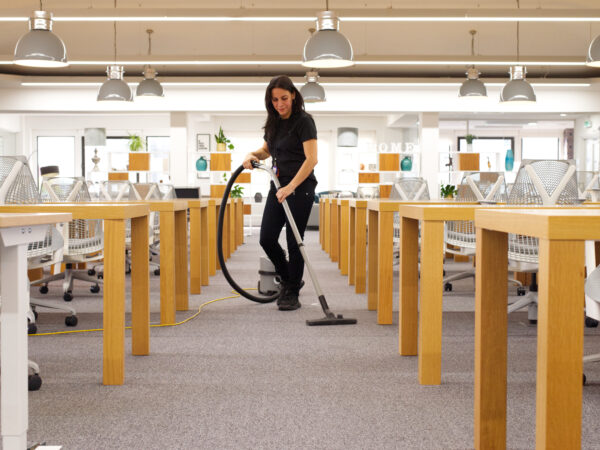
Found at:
<point>187,192</point>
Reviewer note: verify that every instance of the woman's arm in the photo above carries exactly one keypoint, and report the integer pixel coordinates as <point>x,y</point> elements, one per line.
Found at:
<point>260,154</point>
<point>310,151</point>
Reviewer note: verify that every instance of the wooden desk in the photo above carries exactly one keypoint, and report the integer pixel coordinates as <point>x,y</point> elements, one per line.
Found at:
<point>343,234</point>
<point>421,333</point>
<point>114,216</point>
<point>199,267</point>
<point>561,234</point>
<point>16,231</point>
<point>357,235</point>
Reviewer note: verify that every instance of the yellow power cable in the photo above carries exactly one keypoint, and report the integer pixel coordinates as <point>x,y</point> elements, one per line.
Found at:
<point>157,325</point>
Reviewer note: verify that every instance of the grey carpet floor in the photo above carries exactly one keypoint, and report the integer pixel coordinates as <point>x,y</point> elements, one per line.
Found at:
<point>247,376</point>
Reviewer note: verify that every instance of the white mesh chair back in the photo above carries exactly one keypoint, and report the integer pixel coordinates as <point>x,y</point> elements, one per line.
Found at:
<point>18,187</point>
<point>168,191</point>
<point>95,190</point>
<point>148,191</point>
<point>588,185</point>
<point>474,187</point>
<point>344,194</point>
<point>410,189</point>
<point>540,182</point>
<point>84,236</point>
<point>367,192</point>
<point>119,191</point>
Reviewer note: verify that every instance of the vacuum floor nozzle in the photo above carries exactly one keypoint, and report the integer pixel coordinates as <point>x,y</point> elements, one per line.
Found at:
<point>339,320</point>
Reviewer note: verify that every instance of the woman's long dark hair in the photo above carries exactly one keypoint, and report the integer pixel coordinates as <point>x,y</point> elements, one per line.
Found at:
<point>282,82</point>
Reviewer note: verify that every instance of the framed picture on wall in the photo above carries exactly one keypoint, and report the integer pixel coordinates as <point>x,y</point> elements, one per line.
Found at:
<point>203,142</point>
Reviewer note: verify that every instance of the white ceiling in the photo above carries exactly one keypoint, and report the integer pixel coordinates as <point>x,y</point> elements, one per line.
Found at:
<point>547,41</point>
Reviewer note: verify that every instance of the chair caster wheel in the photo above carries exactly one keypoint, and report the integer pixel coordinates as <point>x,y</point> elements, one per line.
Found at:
<point>34,382</point>
<point>35,313</point>
<point>128,270</point>
<point>91,272</point>
<point>94,289</point>
<point>67,296</point>
<point>521,291</point>
<point>101,276</point>
<point>157,272</point>
<point>533,321</point>
<point>448,287</point>
<point>43,289</point>
<point>71,321</point>
<point>31,328</point>
<point>584,379</point>
<point>591,323</point>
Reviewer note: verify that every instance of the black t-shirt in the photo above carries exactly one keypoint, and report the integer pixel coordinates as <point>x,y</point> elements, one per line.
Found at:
<point>286,146</point>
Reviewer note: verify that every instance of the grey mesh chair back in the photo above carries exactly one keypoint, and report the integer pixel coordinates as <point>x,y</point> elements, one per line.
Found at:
<point>588,184</point>
<point>119,191</point>
<point>84,236</point>
<point>148,191</point>
<point>540,182</point>
<point>367,192</point>
<point>18,187</point>
<point>474,187</point>
<point>410,188</point>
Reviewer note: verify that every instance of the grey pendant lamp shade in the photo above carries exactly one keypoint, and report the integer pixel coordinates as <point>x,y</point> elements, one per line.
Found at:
<point>149,86</point>
<point>312,91</point>
<point>115,89</point>
<point>593,58</point>
<point>472,87</point>
<point>40,47</point>
<point>517,90</point>
<point>327,48</point>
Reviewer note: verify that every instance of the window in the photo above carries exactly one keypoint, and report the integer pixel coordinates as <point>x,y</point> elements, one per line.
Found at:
<point>57,151</point>
<point>539,148</point>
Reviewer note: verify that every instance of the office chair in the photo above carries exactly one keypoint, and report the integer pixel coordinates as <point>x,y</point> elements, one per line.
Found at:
<point>592,301</point>
<point>589,185</point>
<point>84,239</point>
<point>17,187</point>
<point>154,191</point>
<point>544,183</point>
<point>367,192</point>
<point>460,236</point>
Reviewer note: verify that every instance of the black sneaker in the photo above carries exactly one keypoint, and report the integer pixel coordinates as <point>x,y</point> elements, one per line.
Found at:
<point>289,300</point>
<point>284,288</point>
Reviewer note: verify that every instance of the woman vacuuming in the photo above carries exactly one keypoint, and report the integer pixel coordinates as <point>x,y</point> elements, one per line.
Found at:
<point>291,139</point>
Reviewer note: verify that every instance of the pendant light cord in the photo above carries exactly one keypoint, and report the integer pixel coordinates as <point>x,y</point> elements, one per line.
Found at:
<point>473,32</point>
<point>149,41</point>
<point>115,33</point>
<point>518,33</point>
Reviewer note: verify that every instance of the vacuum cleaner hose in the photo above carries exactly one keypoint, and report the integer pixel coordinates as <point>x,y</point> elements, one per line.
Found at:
<point>241,291</point>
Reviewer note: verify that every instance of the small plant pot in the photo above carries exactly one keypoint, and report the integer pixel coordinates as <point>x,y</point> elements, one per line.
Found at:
<point>221,147</point>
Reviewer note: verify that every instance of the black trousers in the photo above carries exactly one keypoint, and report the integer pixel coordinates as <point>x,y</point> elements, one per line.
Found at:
<point>300,203</point>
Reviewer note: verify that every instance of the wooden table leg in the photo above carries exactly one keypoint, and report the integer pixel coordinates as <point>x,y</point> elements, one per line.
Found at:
<point>430,317</point>
<point>360,241</point>
<point>140,287</point>
<point>491,313</point>
<point>223,234</point>
<point>385,274</point>
<point>560,344</point>
<point>373,260</point>
<point>335,243</point>
<point>327,227</point>
<point>239,220</point>
<point>232,228</point>
<point>409,286</point>
<point>352,246</point>
<point>181,262</point>
<point>167,267</point>
<point>204,245</point>
<point>226,235</point>
<point>195,251</point>
<point>321,225</point>
<point>212,212</point>
<point>344,230</point>
<point>114,303</point>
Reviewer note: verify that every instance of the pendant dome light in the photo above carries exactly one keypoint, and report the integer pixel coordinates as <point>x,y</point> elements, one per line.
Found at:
<point>518,89</point>
<point>312,91</point>
<point>40,47</point>
<point>327,48</point>
<point>115,88</point>
<point>472,87</point>
<point>149,86</point>
<point>593,58</point>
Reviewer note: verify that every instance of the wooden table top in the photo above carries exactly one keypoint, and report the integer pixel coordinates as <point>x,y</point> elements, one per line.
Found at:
<point>8,220</point>
<point>197,202</point>
<point>558,223</point>
<point>90,210</point>
<point>386,205</point>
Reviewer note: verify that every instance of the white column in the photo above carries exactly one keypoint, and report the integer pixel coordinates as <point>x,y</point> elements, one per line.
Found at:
<point>429,134</point>
<point>179,149</point>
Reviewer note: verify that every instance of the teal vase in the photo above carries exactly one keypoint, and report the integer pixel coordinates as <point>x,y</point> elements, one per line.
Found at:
<point>406,164</point>
<point>509,160</point>
<point>201,164</point>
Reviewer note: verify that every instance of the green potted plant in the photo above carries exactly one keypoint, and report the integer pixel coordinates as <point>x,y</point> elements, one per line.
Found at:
<point>448,191</point>
<point>222,142</point>
<point>237,191</point>
<point>135,143</point>
<point>469,138</point>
